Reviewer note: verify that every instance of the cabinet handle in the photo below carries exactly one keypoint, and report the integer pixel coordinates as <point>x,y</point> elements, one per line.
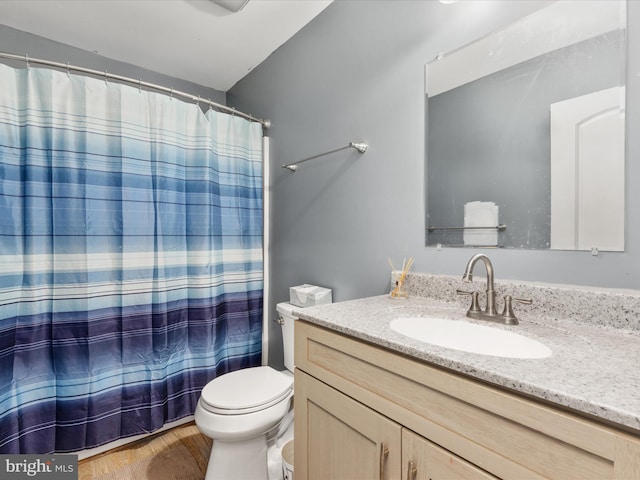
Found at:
<point>412,471</point>
<point>384,453</point>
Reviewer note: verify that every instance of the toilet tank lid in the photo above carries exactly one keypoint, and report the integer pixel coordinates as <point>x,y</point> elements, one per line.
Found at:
<point>286,308</point>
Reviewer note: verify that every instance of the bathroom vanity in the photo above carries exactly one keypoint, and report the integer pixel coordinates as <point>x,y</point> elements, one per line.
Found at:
<point>371,403</point>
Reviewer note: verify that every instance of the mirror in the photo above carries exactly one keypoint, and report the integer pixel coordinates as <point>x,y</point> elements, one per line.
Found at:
<point>526,132</point>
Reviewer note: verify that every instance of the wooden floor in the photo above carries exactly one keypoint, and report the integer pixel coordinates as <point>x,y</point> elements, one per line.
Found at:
<point>186,436</point>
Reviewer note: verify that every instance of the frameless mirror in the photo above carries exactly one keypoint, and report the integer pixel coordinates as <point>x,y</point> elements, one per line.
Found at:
<point>526,133</point>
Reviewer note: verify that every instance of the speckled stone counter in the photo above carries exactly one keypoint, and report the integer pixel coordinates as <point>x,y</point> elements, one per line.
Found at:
<point>594,368</point>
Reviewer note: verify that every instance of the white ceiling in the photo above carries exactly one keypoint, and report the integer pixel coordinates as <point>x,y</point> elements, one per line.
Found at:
<point>194,40</point>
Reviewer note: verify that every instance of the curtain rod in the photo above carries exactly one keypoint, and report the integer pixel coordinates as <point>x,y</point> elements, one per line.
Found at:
<point>106,75</point>
<point>361,147</point>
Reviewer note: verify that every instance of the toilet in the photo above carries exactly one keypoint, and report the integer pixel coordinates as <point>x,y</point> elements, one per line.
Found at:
<point>239,409</point>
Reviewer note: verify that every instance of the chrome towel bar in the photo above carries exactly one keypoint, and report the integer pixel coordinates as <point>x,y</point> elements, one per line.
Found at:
<point>360,147</point>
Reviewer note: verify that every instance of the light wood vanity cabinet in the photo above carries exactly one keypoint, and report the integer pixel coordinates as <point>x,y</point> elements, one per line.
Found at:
<point>347,440</point>
<point>366,412</point>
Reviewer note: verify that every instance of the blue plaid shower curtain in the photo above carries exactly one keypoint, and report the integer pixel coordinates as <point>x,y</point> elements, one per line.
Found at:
<point>131,267</point>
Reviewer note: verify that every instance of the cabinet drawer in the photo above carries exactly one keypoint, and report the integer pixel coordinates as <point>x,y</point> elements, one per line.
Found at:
<point>503,433</point>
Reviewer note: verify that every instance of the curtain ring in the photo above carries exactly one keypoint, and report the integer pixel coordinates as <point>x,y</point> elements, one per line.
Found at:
<point>210,106</point>
<point>105,77</point>
<point>68,69</point>
<point>26,59</point>
<point>198,101</point>
<point>171,94</point>
<point>140,85</point>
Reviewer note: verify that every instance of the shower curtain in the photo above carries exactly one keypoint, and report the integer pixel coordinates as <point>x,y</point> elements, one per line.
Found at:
<point>131,266</point>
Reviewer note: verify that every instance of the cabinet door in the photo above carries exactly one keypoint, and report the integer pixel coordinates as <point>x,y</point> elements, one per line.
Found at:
<point>424,460</point>
<point>339,438</point>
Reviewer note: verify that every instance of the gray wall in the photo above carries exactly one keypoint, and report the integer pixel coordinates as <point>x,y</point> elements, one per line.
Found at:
<point>357,73</point>
<point>18,42</point>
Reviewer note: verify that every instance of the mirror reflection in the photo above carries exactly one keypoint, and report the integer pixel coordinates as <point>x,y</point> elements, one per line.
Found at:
<point>525,133</point>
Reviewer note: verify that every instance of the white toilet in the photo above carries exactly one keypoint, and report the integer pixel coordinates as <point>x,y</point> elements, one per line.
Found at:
<point>237,410</point>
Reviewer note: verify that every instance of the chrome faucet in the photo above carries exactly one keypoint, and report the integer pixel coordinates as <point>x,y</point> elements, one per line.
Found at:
<point>489,313</point>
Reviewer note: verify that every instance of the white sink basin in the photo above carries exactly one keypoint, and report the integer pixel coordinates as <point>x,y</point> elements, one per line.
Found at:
<point>470,337</point>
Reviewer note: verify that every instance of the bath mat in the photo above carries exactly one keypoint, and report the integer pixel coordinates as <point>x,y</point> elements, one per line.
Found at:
<point>175,463</point>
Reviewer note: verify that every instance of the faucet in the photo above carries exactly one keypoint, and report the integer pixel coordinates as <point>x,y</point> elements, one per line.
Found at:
<point>491,293</point>
<point>489,313</point>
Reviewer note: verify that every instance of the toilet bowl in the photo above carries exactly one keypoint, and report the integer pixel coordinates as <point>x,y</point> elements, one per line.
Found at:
<point>237,410</point>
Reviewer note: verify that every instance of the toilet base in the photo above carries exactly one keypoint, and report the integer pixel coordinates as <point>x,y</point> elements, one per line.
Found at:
<point>238,460</point>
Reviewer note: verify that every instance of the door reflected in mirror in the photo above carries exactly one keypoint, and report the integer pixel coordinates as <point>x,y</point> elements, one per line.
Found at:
<point>526,133</point>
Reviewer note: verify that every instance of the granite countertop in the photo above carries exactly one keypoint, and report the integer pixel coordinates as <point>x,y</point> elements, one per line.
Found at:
<point>594,370</point>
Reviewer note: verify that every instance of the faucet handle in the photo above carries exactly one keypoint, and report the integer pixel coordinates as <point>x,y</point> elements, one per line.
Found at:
<point>526,301</point>
<point>475,307</point>
<point>507,313</point>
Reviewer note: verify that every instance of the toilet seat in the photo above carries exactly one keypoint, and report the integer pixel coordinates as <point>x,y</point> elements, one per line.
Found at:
<point>246,391</point>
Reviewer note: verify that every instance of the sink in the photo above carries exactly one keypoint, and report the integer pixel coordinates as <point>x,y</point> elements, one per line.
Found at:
<point>470,337</point>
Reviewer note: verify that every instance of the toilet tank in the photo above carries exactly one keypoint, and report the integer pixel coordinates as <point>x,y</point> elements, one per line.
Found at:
<point>285,313</point>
